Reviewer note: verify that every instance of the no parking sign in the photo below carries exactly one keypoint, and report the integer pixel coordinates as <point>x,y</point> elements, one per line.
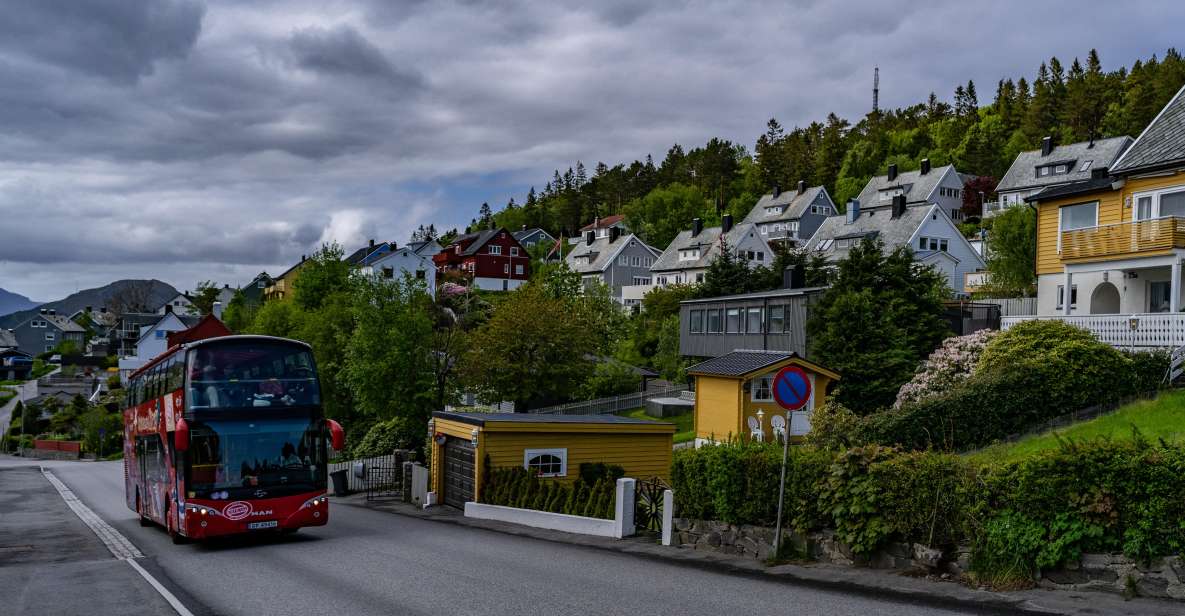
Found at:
<point>792,388</point>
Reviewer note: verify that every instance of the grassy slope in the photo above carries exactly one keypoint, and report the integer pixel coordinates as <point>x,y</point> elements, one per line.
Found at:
<point>1163,417</point>
<point>684,430</point>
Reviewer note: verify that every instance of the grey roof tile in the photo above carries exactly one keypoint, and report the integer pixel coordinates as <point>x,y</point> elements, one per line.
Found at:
<point>708,242</point>
<point>601,251</point>
<point>790,203</point>
<point>1023,172</point>
<point>917,186</point>
<point>871,221</point>
<point>1071,189</point>
<point>738,363</point>
<point>1162,142</point>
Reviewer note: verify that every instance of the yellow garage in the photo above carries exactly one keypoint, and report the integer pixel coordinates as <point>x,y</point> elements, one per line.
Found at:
<point>734,395</point>
<point>552,445</point>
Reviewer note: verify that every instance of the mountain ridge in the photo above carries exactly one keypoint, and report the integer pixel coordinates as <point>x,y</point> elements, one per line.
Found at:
<point>12,302</point>
<point>152,292</point>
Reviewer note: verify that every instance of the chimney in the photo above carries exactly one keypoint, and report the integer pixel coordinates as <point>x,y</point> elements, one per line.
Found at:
<point>794,277</point>
<point>726,223</point>
<point>589,236</point>
<point>217,310</point>
<point>697,225</point>
<point>169,308</point>
<point>898,206</point>
<point>853,210</point>
<point>524,227</point>
<point>53,312</point>
<point>777,191</point>
<point>303,257</point>
<point>614,233</point>
<point>892,172</point>
<point>44,311</point>
<point>1046,145</point>
<point>925,166</point>
<point>801,186</point>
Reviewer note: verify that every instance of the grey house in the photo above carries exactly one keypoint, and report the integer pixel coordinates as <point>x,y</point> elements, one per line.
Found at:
<point>791,216</point>
<point>530,237</point>
<point>766,321</point>
<point>687,258</point>
<point>617,260</point>
<point>47,330</point>
<point>1050,166</point>
<point>942,186</point>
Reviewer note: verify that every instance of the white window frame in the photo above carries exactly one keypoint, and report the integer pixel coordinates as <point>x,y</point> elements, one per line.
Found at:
<point>1155,195</point>
<point>494,249</point>
<point>765,382</point>
<point>561,453</point>
<point>518,269</point>
<point>1061,296</point>
<point>1061,230</point>
<point>505,268</point>
<point>49,336</point>
<point>514,251</point>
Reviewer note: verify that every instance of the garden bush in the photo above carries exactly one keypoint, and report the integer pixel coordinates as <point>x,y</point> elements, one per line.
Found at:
<point>518,487</point>
<point>386,436</point>
<point>950,364</point>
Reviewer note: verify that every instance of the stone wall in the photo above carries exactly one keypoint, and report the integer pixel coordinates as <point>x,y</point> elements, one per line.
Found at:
<point>1162,578</point>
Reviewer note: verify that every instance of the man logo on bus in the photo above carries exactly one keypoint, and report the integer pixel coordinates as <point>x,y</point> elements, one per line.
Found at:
<point>237,510</point>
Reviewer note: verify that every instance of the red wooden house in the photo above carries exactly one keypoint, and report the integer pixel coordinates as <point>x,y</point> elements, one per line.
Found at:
<point>493,259</point>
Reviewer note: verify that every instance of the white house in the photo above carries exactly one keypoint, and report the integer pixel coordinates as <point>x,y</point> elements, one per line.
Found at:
<point>180,303</point>
<point>154,340</point>
<point>404,261</point>
<point>1050,166</point>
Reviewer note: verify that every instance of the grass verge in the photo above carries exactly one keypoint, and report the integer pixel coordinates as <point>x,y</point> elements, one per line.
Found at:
<point>684,428</point>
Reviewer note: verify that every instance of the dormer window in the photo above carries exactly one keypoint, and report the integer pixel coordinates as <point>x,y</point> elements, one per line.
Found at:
<point>773,210</point>
<point>689,254</point>
<point>1061,168</point>
<point>888,193</point>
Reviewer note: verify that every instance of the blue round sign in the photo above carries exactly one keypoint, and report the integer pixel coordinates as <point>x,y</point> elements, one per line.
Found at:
<point>792,388</point>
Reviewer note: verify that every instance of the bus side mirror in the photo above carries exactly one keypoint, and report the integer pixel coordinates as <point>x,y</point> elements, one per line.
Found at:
<point>181,436</point>
<point>337,436</point>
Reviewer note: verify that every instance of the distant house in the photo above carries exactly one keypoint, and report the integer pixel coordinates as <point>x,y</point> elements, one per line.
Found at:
<point>47,330</point>
<point>426,248</point>
<point>942,187</point>
<point>925,228</point>
<point>791,216</point>
<point>125,333</point>
<point>765,321</point>
<point>225,294</point>
<point>15,365</point>
<point>1050,166</point>
<point>402,262</point>
<point>208,326</point>
<point>181,303</point>
<point>281,285</point>
<point>600,227</point>
<point>530,237</point>
<point>154,340</point>
<point>493,259</point>
<point>617,260</point>
<point>7,339</point>
<point>688,256</point>
<point>373,249</point>
<point>253,291</point>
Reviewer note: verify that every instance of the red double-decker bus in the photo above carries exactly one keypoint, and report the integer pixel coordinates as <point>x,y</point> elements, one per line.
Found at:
<point>227,435</point>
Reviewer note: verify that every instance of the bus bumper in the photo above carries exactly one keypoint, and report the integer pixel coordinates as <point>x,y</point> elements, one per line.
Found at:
<point>221,519</point>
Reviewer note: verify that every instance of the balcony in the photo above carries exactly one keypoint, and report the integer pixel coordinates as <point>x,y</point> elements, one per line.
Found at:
<point>1123,239</point>
<point>1145,331</point>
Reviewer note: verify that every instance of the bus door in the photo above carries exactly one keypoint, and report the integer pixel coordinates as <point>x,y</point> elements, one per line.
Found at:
<point>153,482</point>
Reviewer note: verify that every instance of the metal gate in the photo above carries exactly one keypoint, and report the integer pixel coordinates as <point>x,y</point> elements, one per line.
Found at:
<point>459,472</point>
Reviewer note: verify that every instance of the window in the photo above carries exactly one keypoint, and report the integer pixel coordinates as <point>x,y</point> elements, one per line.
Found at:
<point>754,320</point>
<point>932,243</point>
<point>1086,164</point>
<point>777,319</point>
<point>1061,296</point>
<point>1042,171</point>
<point>1161,203</point>
<point>1082,216</point>
<point>763,388</point>
<point>49,336</point>
<point>689,254</point>
<point>760,255</point>
<point>421,274</point>
<point>514,251</point>
<point>1059,169</point>
<point>765,229</point>
<point>261,285</point>
<point>160,334</point>
<point>546,462</point>
<point>696,318</point>
<point>889,193</point>
<point>699,277</point>
<point>713,325</point>
<point>826,244</point>
<point>388,272</point>
<point>518,269</point>
<point>506,268</point>
<point>623,260</point>
<point>732,324</point>
<point>641,280</point>
<point>495,250</point>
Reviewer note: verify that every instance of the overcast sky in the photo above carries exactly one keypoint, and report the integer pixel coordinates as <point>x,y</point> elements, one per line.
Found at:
<point>186,140</point>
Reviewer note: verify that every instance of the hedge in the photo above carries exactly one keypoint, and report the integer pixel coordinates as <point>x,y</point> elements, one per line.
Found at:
<point>591,495</point>
<point>1018,517</point>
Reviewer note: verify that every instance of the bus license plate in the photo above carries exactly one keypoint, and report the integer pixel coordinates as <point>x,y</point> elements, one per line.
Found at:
<point>259,525</point>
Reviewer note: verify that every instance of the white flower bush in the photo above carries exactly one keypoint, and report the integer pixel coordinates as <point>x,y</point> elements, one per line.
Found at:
<point>947,366</point>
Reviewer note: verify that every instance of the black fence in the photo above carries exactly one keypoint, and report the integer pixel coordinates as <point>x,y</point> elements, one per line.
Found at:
<point>970,317</point>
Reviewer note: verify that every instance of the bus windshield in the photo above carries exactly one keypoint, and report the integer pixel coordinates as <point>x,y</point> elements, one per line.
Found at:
<point>251,374</point>
<point>246,456</point>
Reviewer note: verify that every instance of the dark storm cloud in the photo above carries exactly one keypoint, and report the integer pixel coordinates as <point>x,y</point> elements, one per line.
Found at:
<point>121,40</point>
<point>186,141</point>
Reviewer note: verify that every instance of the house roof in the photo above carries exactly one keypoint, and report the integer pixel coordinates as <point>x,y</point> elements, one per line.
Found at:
<point>708,243</point>
<point>482,419</point>
<point>405,251</point>
<point>208,326</point>
<point>61,322</point>
<point>601,252</point>
<point>1074,188</point>
<point>876,222</point>
<point>1162,144</point>
<point>791,203</point>
<point>526,233</point>
<point>358,257</point>
<point>7,339</point>
<point>476,240</point>
<point>1023,172</point>
<point>758,295</point>
<point>743,362</point>
<point>302,261</point>
<point>917,187</point>
<point>602,223</point>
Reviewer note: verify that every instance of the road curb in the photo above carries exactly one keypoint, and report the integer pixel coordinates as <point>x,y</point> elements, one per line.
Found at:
<point>823,577</point>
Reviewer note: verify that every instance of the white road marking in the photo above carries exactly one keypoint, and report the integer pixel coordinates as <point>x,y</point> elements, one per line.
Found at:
<point>119,545</point>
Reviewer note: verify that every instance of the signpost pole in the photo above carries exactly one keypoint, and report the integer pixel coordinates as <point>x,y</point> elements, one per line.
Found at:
<point>782,489</point>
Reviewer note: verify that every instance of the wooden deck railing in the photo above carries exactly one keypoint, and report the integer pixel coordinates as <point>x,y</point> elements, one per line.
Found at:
<point>1123,238</point>
<point>1159,330</point>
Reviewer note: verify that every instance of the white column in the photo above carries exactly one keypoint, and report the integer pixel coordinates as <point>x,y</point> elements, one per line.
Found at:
<point>623,514</point>
<point>1175,287</point>
<point>1067,292</point>
<point>668,516</point>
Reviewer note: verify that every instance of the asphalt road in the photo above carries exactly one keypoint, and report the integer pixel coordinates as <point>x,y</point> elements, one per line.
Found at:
<point>370,562</point>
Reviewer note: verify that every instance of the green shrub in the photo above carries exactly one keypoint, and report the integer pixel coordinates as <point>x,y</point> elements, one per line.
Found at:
<point>384,437</point>
<point>1148,369</point>
<point>520,488</point>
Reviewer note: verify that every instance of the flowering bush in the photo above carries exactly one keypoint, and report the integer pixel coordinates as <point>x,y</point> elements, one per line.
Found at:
<point>450,289</point>
<point>946,367</point>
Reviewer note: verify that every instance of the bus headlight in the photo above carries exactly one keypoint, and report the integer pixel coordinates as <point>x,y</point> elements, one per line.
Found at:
<point>315,502</point>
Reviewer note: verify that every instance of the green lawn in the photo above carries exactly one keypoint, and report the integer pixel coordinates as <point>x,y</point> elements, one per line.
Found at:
<point>684,430</point>
<point>1163,418</point>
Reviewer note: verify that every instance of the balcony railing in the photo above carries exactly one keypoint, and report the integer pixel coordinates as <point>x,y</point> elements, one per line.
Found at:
<point>1155,330</point>
<point>1124,238</point>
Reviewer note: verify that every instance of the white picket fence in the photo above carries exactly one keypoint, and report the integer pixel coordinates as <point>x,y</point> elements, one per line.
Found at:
<point>1160,330</point>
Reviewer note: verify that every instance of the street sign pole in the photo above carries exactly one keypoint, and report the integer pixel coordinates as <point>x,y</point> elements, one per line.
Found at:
<point>782,489</point>
<point>791,390</point>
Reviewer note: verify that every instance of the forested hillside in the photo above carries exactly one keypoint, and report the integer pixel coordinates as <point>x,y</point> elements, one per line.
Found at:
<point>1071,103</point>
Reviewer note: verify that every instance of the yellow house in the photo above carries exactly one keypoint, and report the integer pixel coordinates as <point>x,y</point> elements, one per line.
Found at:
<point>735,389</point>
<point>1115,241</point>
<point>281,285</point>
<point>552,445</point>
